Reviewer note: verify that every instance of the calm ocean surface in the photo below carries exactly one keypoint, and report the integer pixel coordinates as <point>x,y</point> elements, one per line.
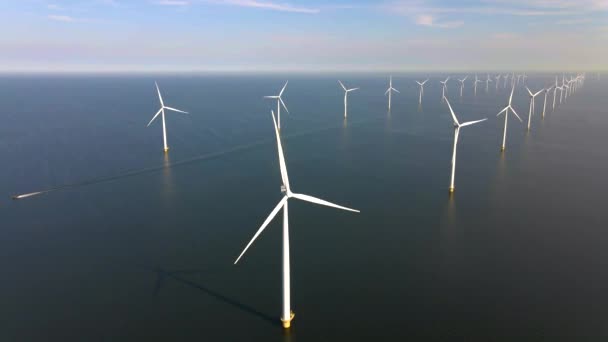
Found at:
<point>142,246</point>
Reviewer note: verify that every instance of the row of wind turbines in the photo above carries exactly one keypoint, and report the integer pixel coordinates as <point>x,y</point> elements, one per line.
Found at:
<point>566,89</point>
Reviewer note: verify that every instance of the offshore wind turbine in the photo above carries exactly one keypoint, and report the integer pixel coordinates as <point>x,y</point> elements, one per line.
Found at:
<point>421,84</point>
<point>389,91</point>
<point>555,92</point>
<point>280,102</point>
<point>475,83</point>
<point>444,83</point>
<point>545,102</point>
<point>488,80</point>
<point>457,126</point>
<point>286,313</point>
<point>532,102</point>
<point>497,81</point>
<point>506,79</point>
<point>346,91</point>
<point>462,83</point>
<point>161,112</point>
<point>506,111</point>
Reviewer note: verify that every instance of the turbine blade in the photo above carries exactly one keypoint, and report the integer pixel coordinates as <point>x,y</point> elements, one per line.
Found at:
<point>502,111</point>
<point>271,97</point>
<point>159,97</point>
<point>176,110</point>
<point>396,90</point>
<point>282,165</point>
<point>472,122</point>
<point>282,90</point>
<point>155,115</point>
<point>283,103</point>
<point>452,111</point>
<point>514,112</point>
<point>321,202</point>
<point>273,213</point>
<point>353,89</point>
<point>389,89</point>
<point>529,92</point>
<point>343,87</point>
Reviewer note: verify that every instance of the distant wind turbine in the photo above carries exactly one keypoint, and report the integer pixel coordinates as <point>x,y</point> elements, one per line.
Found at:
<point>506,111</point>
<point>421,84</point>
<point>161,112</point>
<point>475,83</point>
<point>444,83</point>
<point>488,80</point>
<point>457,126</point>
<point>532,102</point>
<point>497,81</point>
<point>346,91</point>
<point>462,84</point>
<point>545,102</point>
<point>389,91</point>
<point>280,102</point>
<point>287,315</point>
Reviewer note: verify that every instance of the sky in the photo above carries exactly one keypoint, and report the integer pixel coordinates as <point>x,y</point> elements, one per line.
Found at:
<point>297,35</point>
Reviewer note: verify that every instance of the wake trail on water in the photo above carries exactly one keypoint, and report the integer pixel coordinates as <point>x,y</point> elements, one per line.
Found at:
<point>204,157</point>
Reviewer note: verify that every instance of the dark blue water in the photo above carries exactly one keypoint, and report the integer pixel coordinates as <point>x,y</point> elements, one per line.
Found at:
<point>141,246</point>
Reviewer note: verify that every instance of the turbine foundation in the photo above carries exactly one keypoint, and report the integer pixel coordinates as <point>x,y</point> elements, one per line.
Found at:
<point>451,190</point>
<point>166,150</point>
<point>287,322</point>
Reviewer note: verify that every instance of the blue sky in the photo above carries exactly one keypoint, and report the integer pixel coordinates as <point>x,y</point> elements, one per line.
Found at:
<point>332,35</point>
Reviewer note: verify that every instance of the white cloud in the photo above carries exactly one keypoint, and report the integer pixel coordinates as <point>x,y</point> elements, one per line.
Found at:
<point>275,6</point>
<point>173,3</point>
<point>63,18</point>
<point>430,21</point>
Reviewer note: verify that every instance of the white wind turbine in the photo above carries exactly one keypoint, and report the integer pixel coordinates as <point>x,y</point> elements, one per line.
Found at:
<point>506,79</point>
<point>346,91</point>
<point>488,80</point>
<point>532,102</point>
<point>421,84</point>
<point>444,83</point>
<point>279,103</point>
<point>462,83</point>
<point>497,81</point>
<point>545,102</point>
<point>475,83</point>
<point>161,112</point>
<point>286,314</point>
<point>457,126</point>
<point>506,111</point>
<point>389,91</point>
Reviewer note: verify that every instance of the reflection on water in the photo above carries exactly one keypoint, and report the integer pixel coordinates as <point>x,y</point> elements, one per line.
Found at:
<point>167,180</point>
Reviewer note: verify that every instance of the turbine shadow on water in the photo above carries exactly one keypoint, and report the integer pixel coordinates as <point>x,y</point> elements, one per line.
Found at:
<point>178,276</point>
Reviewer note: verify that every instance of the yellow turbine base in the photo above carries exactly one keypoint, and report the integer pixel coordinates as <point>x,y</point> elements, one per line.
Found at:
<point>166,150</point>
<point>451,190</point>
<point>502,149</point>
<point>287,322</point>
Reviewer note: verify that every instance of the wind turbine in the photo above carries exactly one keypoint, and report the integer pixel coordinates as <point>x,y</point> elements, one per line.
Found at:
<point>287,315</point>
<point>444,83</point>
<point>532,101</point>
<point>421,84</point>
<point>506,79</point>
<point>506,111</point>
<point>389,91</point>
<point>462,84</point>
<point>475,83</point>
<point>161,111</point>
<point>545,102</point>
<point>488,80</point>
<point>457,126</point>
<point>555,92</point>
<point>279,103</point>
<point>497,81</point>
<point>346,91</point>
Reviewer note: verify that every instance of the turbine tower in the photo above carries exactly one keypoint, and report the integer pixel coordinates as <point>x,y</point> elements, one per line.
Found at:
<point>457,126</point>
<point>346,91</point>
<point>161,111</point>
<point>462,83</point>
<point>286,314</point>
<point>421,84</point>
<point>280,102</point>
<point>389,91</point>
<point>445,84</point>
<point>532,102</point>
<point>506,111</point>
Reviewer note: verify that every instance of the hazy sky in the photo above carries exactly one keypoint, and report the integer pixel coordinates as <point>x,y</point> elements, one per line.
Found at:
<point>166,35</point>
